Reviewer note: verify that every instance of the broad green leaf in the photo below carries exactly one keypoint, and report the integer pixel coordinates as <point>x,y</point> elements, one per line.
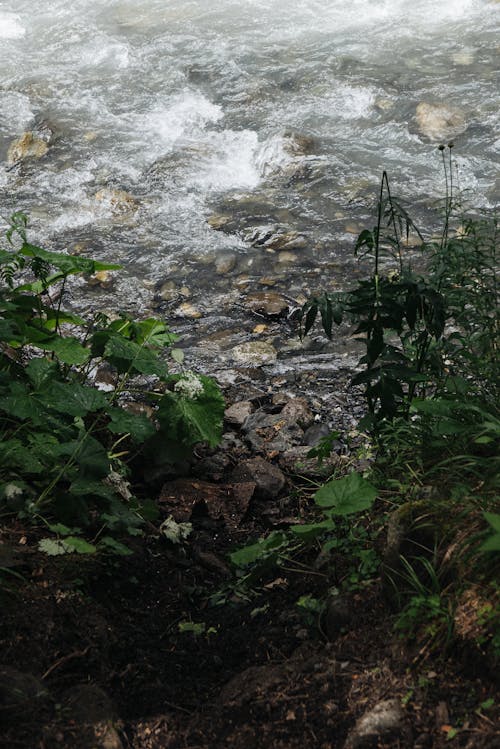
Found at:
<point>188,420</point>
<point>90,456</point>
<point>311,530</point>
<point>263,549</point>
<point>68,264</point>
<point>87,488</point>
<point>79,545</point>
<point>492,543</point>
<point>40,371</point>
<point>347,495</point>
<point>72,398</point>
<point>127,356</point>
<point>137,425</point>
<point>69,350</point>
<point>116,547</point>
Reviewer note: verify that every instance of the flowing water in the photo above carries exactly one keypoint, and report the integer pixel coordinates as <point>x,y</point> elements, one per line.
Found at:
<point>279,116</point>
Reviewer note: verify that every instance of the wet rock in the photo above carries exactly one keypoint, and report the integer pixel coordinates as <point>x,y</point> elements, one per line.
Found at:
<point>268,478</point>
<point>238,413</point>
<point>268,303</point>
<point>225,264</point>
<point>102,278</point>
<point>267,281</point>
<point>28,146</point>
<point>339,615</point>
<point>117,201</point>
<point>440,121</point>
<point>254,353</point>
<point>274,238</point>
<point>298,144</point>
<point>188,310</point>
<point>168,291</point>
<point>383,722</point>
<point>286,257</point>
<point>19,692</point>
<point>219,221</point>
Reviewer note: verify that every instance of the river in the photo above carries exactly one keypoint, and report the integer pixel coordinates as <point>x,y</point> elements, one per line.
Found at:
<point>185,136</point>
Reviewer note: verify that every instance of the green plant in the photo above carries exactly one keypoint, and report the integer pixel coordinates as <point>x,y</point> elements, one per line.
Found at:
<point>68,448</point>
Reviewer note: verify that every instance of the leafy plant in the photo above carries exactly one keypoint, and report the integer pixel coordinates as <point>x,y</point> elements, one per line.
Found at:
<point>67,447</point>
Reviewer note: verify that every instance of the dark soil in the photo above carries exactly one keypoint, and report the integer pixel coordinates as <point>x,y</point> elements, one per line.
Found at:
<point>261,674</point>
<point>103,652</point>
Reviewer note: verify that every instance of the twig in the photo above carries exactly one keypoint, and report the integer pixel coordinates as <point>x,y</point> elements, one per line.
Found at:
<point>65,659</point>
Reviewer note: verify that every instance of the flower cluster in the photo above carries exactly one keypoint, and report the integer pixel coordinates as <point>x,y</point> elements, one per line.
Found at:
<point>189,386</point>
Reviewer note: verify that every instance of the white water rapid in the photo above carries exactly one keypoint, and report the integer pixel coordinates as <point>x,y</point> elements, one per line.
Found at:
<point>163,112</point>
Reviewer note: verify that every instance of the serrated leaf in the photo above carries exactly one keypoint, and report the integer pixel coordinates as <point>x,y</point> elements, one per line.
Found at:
<point>189,421</point>
<point>138,426</point>
<point>73,398</point>
<point>68,350</point>
<point>346,495</point>
<point>127,356</point>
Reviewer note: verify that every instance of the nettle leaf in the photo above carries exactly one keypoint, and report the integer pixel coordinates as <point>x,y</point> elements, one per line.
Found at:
<point>346,495</point>
<point>138,426</point>
<point>128,355</point>
<point>73,399</point>
<point>192,420</point>
<point>87,488</point>
<point>69,350</point>
<point>92,458</point>
<point>40,371</point>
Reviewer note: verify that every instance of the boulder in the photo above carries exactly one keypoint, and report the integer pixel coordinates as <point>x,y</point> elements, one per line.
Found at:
<point>382,723</point>
<point>440,122</point>
<point>254,353</point>
<point>238,413</point>
<point>117,201</point>
<point>28,146</point>
<point>269,479</point>
<point>268,303</point>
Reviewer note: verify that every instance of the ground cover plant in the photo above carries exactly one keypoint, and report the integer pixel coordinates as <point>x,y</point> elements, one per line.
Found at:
<point>69,448</point>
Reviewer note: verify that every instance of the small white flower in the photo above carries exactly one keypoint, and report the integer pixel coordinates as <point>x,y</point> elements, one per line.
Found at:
<point>12,490</point>
<point>189,386</point>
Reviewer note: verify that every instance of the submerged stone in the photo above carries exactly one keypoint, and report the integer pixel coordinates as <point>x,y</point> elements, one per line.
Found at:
<point>440,121</point>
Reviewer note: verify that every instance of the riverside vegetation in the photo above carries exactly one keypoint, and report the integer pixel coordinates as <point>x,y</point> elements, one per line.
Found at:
<point>72,455</point>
